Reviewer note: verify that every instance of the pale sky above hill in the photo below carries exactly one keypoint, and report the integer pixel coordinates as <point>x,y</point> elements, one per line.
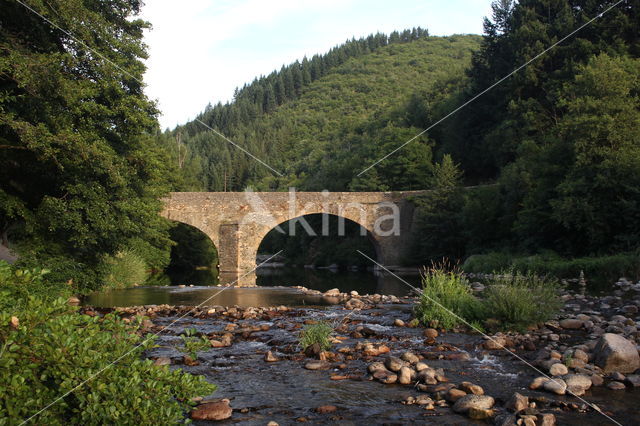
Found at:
<point>201,50</point>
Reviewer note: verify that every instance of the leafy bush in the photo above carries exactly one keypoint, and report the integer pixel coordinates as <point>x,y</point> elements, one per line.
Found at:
<point>48,350</point>
<point>193,344</point>
<point>124,269</point>
<point>316,333</point>
<point>18,285</point>
<point>446,297</point>
<point>516,300</point>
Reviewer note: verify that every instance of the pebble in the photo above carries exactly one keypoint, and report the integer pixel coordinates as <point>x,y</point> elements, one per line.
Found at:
<point>317,365</point>
<point>616,385</point>
<point>405,376</point>
<point>326,409</point>
<point>430,333</point>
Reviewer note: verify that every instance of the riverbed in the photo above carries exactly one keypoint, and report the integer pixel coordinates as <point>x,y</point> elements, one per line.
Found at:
<point>284,391</point>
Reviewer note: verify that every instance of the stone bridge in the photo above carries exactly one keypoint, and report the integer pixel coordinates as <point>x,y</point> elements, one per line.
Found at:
<point>237,222</point>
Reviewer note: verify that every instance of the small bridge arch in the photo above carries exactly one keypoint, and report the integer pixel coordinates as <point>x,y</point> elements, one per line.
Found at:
<point>237,222</point>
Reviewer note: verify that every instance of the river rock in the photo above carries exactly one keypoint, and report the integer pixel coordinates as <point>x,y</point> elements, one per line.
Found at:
<point>616,385</point>
<point>410,357</point>
<point>212,411</point>
<point>538,383</point>
<point>393,363</point>
<point>405,375</point>
<point>326,409</point>
<point>480,402</point>
<point>332,293</point>
<point>317,365</point>
<point>469,387</point>
<point>376,366</point>
<point>615,353</point>
<point>558,369</point>
<point>495,343</point>
<point>546,419</point>
<point>385,376</point>
<point>421,366</point>
<point>557,386</point>
<point>517,403</point>
<point>571,324</point>
<point>430,333</point>
<point>270,357</point>
<point>577,384</point>
<point>398,322</point>
<point>455,394</point>
<point>163,360</point>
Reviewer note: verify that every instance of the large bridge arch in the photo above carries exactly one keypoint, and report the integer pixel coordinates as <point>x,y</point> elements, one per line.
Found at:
<point>237,222</point>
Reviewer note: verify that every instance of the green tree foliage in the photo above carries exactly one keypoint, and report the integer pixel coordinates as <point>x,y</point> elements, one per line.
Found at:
<point>81,173</point>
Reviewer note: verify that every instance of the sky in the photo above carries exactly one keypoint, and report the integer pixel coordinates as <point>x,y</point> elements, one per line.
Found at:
<point>201,50</point>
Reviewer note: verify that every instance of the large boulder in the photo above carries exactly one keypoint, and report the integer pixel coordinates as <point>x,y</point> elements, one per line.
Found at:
<point>479,402</point>
<point>212,411</point>
<point>615,353</point>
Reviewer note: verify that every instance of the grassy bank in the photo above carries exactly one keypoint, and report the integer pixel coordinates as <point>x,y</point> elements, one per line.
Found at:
<point>603,267</point>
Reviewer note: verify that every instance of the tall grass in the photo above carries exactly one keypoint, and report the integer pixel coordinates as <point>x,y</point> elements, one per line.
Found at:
<point>446,297</point>
<point>519,300</point>
<point>512,300</point>
<point>124,269</point>
<point>604,267</point>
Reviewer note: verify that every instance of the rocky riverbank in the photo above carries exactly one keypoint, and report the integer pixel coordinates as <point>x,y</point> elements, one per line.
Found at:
<point>578,368</point>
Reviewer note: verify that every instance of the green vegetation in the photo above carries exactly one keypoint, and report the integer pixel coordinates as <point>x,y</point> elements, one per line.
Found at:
<point>48,349</point>
<point>81,171</point>
<point>516,300</point>
<point>446,299</point>
<point>511,300</point>
<point>549,263</point>
<point>124,269</point>
<point>194,343</point>
<point>316,333</point>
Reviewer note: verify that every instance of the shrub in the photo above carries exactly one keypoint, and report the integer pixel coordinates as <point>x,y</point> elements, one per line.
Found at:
<point>124,269</point>
<point>53,350</point>
<point>316,333</point>
<point>517,300</point>
<point>18,285</point>
<point>446,297</point>
<point>192,343</point>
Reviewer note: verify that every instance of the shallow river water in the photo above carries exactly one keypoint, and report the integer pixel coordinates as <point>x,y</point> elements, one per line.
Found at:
<point>285,392</point>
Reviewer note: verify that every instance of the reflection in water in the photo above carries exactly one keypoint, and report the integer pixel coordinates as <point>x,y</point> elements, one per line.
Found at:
<point>272,290</point>
<point>209,296</point>
<point>323,280</point>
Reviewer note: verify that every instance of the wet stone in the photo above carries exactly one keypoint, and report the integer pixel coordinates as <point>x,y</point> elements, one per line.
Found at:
<point>317,365</point>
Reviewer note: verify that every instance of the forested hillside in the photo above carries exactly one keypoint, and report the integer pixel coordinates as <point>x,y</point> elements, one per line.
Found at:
<point>367,95</point>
